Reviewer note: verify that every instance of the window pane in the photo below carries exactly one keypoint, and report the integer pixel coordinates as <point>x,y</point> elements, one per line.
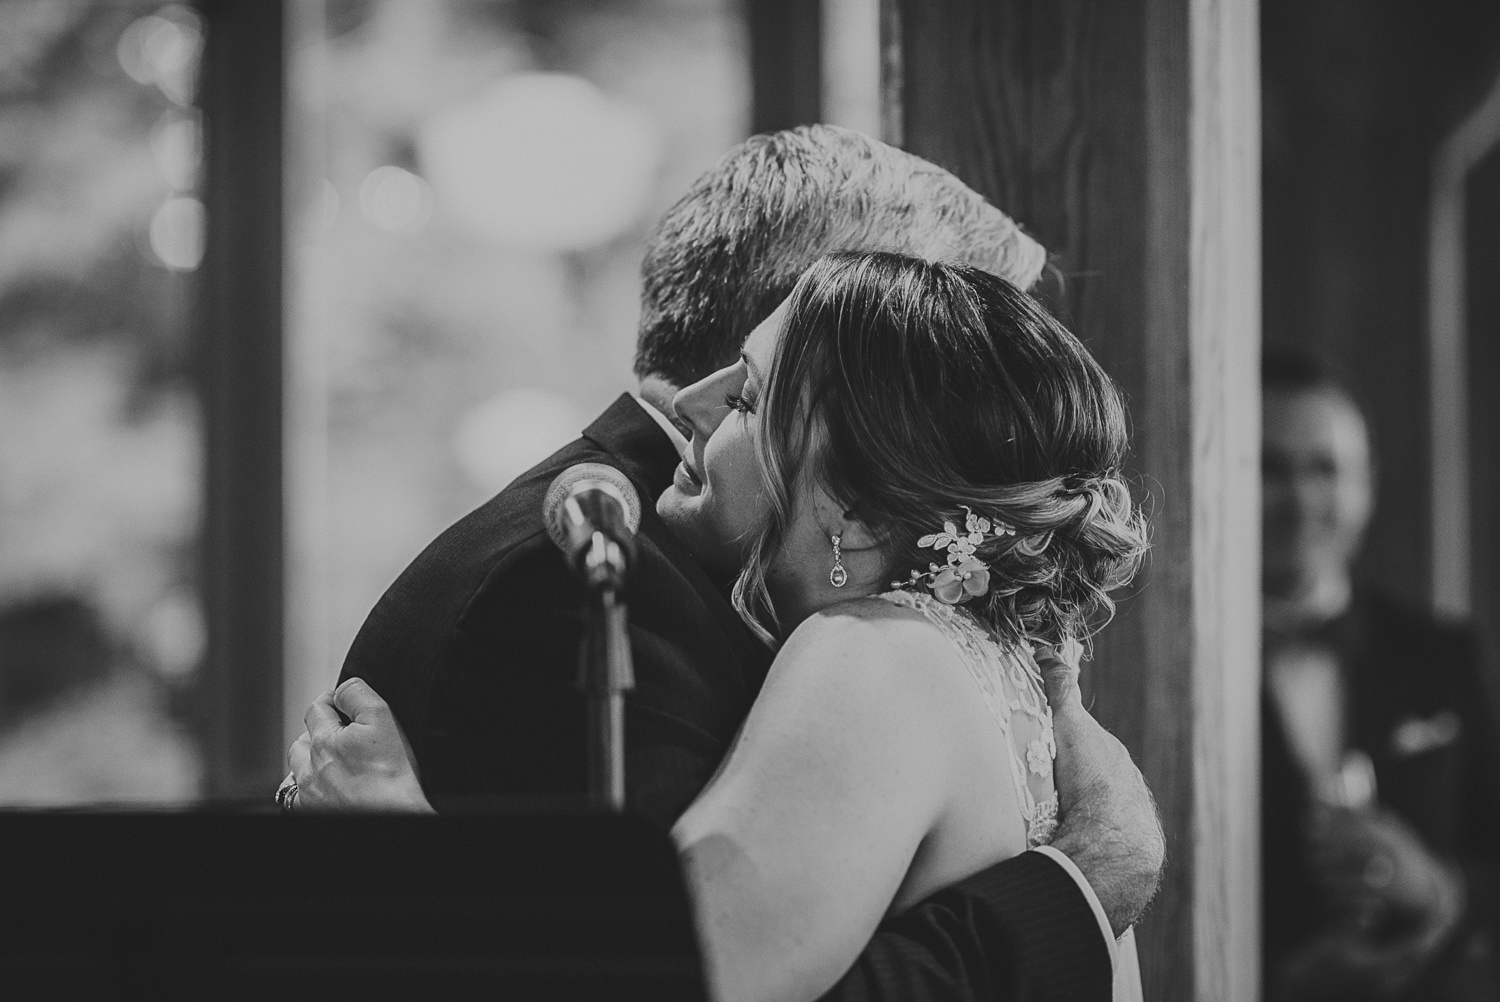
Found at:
<point>470,187</point>
<point>101,634</point>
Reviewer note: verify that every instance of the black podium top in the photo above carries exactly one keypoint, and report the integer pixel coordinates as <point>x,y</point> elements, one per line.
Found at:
<point>557,905</point>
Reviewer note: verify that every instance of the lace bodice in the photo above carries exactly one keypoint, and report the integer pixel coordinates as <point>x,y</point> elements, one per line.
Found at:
<point>1011,685</point>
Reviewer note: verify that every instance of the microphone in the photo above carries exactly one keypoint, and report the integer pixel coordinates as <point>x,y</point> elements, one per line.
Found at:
<point>592,512</point>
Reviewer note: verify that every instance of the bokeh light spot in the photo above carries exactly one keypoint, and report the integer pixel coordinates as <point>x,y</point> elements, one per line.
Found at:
<point>542,161</point>
<point>395,199</point>
<point>174,634</point>
<point>176,144</point>
<point>511,432</point>
<point>177,233</point>
<point>163,49</point>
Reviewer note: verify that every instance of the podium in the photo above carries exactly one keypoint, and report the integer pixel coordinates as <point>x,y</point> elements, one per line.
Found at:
<point>531,905</point>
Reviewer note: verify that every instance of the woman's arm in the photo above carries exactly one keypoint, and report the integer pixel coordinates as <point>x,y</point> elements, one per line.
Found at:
<point>999,934</point>
<point>796,849</point>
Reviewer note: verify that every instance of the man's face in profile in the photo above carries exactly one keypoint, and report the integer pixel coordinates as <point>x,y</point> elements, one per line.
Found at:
<point>1317,491</point>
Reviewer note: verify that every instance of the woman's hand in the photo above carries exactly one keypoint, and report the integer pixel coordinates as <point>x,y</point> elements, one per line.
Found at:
<point>353,756</point>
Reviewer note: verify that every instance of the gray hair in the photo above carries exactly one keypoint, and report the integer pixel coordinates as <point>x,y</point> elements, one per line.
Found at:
<point>732,248</point>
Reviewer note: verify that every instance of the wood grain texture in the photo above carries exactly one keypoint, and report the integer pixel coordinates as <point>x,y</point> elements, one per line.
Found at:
<point>1125,136</point>
<point>786,63</point>
<point>1225,348</point>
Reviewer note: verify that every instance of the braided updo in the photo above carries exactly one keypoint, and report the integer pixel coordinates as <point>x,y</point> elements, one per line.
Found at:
<point>913,391</point>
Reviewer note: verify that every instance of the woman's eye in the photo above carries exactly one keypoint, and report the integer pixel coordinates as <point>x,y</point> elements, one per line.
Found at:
<point>739,403</point>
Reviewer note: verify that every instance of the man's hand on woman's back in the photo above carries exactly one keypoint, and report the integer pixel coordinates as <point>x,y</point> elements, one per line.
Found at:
<point>1108,822</point>
<point>354,757</point>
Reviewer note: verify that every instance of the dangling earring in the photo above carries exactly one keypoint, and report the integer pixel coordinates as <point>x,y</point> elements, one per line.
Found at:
<point>838,577</point>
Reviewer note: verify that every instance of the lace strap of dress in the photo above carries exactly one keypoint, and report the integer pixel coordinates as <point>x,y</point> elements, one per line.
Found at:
<point>1009,683</point>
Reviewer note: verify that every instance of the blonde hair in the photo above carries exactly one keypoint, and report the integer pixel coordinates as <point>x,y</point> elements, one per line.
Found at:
<point>912,390</point>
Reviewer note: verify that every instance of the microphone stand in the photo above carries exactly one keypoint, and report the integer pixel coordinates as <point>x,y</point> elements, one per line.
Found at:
<point>605,671</point>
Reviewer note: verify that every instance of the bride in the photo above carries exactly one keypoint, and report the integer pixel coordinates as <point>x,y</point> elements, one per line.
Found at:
<point>917,469</point>
<point>916,472</point>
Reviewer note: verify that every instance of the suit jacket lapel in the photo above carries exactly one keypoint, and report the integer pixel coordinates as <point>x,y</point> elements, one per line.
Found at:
<point>644,451</point>
<point>648,457</point>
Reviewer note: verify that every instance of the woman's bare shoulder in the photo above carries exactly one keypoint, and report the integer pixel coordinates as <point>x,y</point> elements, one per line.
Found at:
<point>868,632</point>
<point>870,614</point>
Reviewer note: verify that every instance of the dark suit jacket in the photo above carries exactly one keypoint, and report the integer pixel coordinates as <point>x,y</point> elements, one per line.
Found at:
<point>1421,705</point>
<point>475,646</point>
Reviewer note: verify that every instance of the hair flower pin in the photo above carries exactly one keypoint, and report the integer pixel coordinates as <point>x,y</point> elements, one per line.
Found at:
<point>965,576</point>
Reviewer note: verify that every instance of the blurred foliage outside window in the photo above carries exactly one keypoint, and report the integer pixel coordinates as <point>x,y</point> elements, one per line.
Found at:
<point>100,630</point>
<point>469,184</point>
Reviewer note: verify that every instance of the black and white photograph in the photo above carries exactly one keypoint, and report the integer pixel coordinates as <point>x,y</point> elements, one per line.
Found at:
<point>750,500</point>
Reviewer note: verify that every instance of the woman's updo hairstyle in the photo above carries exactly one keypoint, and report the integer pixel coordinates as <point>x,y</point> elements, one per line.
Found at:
<point>910,390</point>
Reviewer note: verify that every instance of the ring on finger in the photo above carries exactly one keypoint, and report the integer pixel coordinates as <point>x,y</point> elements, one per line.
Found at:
<point>286,795</point>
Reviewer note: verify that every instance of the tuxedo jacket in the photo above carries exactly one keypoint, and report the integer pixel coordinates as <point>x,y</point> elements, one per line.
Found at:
<point>476,648</point>
<point>1420,701</point>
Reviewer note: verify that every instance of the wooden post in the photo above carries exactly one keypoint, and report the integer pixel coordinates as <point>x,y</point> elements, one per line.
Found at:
<point>786,59</point>
<point>1125,135</point>
<point>240,372</point>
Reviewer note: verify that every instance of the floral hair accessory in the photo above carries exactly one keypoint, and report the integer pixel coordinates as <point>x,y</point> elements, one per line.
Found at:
<point>965,576</point>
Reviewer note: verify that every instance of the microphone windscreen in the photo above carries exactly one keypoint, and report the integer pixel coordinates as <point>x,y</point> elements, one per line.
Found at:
<point>582,475</point>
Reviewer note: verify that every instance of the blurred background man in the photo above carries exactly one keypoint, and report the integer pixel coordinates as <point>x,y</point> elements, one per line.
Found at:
<point>1381,809</point>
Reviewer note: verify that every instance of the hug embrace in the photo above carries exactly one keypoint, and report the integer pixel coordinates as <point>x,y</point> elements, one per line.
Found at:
<point>891,513</point>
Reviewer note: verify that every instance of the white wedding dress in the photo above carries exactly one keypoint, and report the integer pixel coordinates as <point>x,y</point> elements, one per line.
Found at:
<point>1011,685</point>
